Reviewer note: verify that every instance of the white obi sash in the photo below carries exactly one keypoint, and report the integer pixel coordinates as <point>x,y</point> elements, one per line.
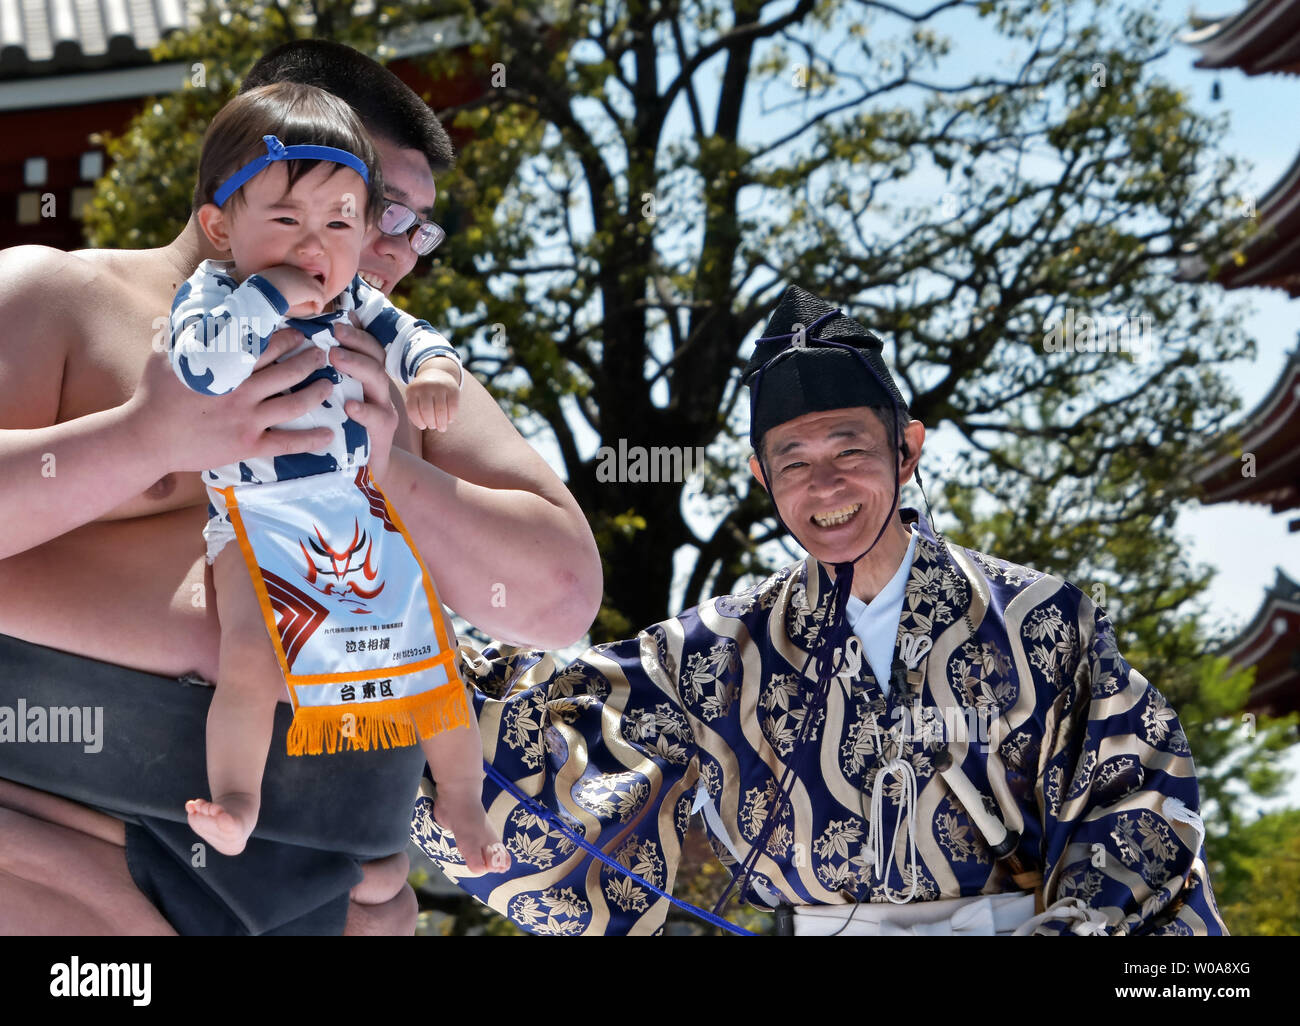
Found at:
<point>979,915</point>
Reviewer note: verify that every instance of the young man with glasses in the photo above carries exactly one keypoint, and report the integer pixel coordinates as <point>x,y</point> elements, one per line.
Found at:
<point>103,589</point>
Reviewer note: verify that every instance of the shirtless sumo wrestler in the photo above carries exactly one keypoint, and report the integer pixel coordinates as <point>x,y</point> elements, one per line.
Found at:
<point>112,542</point>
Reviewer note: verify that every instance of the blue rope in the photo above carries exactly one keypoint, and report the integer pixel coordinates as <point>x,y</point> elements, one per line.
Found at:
<point>541,810</point>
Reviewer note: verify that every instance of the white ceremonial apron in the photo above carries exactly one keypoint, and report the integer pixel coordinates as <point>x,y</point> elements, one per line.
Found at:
<point>359,632</point>
<point>979,915</point>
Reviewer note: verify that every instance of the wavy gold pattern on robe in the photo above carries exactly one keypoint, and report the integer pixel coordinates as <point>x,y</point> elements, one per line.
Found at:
<point>1082,756</point>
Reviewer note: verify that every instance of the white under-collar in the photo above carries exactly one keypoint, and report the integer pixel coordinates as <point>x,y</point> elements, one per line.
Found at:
<point>876,622</point>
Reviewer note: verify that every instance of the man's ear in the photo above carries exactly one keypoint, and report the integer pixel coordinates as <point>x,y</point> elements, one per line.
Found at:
<point>757,471</point>
<point>913,439</point>
<point>215,225</point>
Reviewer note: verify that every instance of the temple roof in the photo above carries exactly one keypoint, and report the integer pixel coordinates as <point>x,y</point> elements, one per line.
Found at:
<point>1263,38</point>
<point>1271,644</point>
<point>1264,466</point>
<point>60,36</point>
<point>1271,434</point>
<point>1272,255</point>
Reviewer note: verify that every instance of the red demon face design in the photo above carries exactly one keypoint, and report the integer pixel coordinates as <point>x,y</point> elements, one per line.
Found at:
<point>341,567</point>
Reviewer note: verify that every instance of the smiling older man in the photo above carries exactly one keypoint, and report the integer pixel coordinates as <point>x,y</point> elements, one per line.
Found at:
<point>896,735</point>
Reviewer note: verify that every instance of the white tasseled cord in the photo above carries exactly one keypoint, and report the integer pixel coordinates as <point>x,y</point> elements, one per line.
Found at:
<point>875,846</point>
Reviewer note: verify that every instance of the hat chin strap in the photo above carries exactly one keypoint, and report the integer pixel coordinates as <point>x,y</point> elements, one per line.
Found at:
<point>826,657</point>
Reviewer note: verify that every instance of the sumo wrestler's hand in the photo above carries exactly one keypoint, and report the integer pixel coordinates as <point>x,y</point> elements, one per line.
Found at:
<point>359,355</point>
<point>194,432</point>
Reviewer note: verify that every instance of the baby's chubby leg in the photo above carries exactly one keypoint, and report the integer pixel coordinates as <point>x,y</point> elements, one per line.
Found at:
<point>242,715</point>
<point>456,759</point>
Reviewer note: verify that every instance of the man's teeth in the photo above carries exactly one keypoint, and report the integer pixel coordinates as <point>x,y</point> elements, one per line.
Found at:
<point>372,280</point>
<point>835,516</point>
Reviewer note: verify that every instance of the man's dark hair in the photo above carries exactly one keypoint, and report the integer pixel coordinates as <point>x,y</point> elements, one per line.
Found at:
<point>296,115</point>
<point>387,105</point>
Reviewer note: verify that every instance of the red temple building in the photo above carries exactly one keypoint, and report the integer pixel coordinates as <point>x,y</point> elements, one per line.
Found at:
<point>73,68</point>
<point>1263,464</point>
<point>1270,644</point>
<point>1264,468</point>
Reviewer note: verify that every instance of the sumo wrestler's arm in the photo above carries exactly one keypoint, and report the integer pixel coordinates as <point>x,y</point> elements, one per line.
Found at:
<point>62,474</point>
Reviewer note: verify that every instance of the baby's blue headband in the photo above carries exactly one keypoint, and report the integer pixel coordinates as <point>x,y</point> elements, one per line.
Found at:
<point>276,150</point>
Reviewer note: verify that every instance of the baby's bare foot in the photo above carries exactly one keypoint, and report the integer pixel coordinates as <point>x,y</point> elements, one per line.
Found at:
<point>225,823</point>
<point>496,857</point>
<point>478,843</point>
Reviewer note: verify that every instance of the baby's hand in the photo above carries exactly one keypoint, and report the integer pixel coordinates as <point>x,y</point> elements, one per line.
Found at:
<point>304,292</point>
<point>434,394</point>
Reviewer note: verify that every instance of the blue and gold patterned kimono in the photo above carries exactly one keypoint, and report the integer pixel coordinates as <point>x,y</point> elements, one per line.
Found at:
<point>1021,680</point>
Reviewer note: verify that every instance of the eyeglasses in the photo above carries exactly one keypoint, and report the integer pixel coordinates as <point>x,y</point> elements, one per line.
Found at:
<point>399,219</point>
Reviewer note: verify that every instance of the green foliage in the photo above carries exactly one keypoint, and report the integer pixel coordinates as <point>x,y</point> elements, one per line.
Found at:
<point>589,316</point>
<point>1235,753</point>
<point>1258,887</point>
